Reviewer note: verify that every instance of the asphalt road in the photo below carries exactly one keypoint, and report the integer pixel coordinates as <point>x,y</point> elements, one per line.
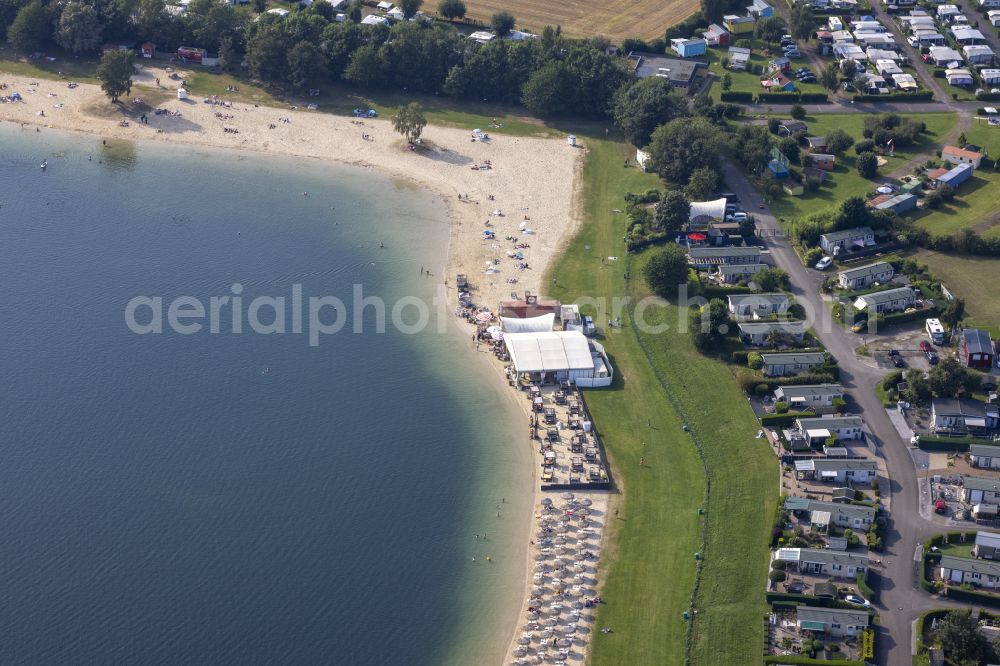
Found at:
<point>901,598</point>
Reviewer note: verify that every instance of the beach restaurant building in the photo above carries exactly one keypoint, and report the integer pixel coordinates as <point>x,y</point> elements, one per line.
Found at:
<point>557,356</point>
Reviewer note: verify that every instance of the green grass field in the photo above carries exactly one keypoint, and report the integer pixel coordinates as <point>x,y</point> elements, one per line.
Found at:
<point>649,583</point>
<point>742,474</point>
<point>652,570</point>
<point>969,278</point>
<point>975,206</point>
<point>748,82</point>
<point>844,181</point>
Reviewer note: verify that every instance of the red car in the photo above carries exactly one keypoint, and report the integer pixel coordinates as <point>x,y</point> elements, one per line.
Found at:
<point>925,346</point>
<point>940,506</point>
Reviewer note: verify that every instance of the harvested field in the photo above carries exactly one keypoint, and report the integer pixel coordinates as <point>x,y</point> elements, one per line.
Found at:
<point>617,19</point>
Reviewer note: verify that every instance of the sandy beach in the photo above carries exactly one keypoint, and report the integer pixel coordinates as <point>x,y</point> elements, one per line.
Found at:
<point>529,181</point>
<point>525,196</point>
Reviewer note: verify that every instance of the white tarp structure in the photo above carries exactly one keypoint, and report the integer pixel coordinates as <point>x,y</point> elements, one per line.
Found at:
<point>565,355</point>
<point>703,209</point>
<point>540,324</point>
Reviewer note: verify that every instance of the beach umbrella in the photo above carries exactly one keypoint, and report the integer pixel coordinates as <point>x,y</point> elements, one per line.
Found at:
<point>520,652</point>
<point>565,642</point>
<point>546,501</point>
<point>547,633</point>
<point>586,501</point>
<point>522,225</point>
<point>524,640</point>
<point>484,316</point>
<point>568,496</point>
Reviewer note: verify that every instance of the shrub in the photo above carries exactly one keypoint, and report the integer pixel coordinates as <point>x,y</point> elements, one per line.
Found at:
<point>840,405</point>
<point>755,361</point>
<point>781,407</point>
<point>736,96</point>
<point>779,565</point>
<point>782,420</point>
<point>812,256</point>
<point>797,112</point>
<point>864,146</point>
<point>762,389</point>
<point>772,125</point>
<point>776,576</point>
<point>867,165</point>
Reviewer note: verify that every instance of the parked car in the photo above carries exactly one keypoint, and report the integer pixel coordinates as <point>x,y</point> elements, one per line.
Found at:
<point>824,263</point>
<point>858,601</point>
<point>739,216</point>
<point>940,506</point>
<point>913,41</point>
<point>793,53</point>
<point>807,79</point>
<point>932,357</point>
<point>848,86</point>
<point>860,326</point>
<point>897,360</point>
<point>925,346</point>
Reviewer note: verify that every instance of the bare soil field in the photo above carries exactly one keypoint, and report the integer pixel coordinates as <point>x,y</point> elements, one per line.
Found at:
<point>617,19</point>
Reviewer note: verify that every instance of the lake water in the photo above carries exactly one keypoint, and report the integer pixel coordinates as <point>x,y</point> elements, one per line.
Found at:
<point>239,498</point>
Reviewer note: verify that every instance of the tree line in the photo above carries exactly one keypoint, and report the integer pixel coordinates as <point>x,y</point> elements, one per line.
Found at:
<point>550,75</point>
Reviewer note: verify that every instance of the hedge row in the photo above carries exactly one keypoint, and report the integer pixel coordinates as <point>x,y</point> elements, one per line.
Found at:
<point>779,420</point>
<point>796,380</point>
<point>903,317</point>
<point>713,291</point>
<point>798,659</point>
<point>866,590</point>
<point>988,97</point>
<point>953,444</point>
<point>736,96</point>
<point>778,597</point>
<point>925,96</point>
<point>792,97</point>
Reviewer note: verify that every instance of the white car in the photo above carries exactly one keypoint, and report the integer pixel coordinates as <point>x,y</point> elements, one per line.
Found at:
<point>858,601</point>
<point>824,263</point>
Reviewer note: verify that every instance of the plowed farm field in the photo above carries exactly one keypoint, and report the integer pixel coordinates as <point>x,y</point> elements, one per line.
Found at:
<point>617,19</point>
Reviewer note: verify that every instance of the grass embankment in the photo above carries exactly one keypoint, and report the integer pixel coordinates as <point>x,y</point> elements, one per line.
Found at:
<point>844,181</point>
<point>742,476</point>
<point>657,532</point>
<point>649,582</point>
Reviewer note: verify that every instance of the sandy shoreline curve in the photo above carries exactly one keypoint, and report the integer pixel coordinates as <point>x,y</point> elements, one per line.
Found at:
<point>530,186</point>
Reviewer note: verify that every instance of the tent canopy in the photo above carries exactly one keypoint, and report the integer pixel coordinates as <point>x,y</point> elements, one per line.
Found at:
<point>714,209</point>
<point>541,324</point>
<point>551,351</point>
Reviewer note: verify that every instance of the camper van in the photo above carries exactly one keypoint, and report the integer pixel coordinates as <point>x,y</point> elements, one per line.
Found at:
<point>935,330</point>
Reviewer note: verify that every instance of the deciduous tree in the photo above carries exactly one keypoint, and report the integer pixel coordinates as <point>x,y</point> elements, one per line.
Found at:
<point>770,29</point>
<point>503,23</point>
<point>683,145</point>
<point>410,7</point>
<point>666,271</point>
<point>79,28</point>
<point>641,108</point>
<point>410,121</point>
<point>867,165</point>
<point>31,28</point>
<point>451,9</point>
<point>672,213</point>
<point>115,72</point>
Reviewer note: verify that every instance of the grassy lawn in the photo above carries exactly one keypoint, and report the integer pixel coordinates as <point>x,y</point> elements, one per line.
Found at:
<point>748,82</point>
<point>650,580</point>
<point>844,181</point>
<point>957,549</point>
<point>65,66</point>
<point>742,475</point>
<point>975,204</point>
<point>968,278</point>
<point>652,569</point>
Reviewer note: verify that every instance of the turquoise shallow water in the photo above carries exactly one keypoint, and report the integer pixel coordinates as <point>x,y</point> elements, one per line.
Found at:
<point>238,498</point>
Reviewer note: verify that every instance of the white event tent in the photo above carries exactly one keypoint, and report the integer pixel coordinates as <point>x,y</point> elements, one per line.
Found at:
<point>558,356</point>
<point>707,209</point>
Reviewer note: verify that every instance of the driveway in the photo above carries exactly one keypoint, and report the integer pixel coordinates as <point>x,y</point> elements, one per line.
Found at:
<point>901,598</point>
